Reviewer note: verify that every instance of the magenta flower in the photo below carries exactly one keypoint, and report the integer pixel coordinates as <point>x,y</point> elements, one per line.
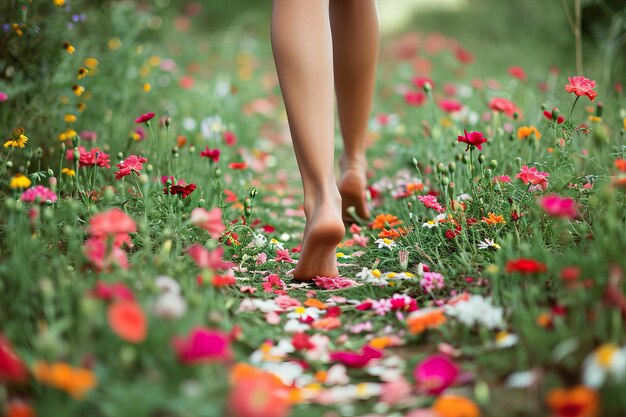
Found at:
<point>283,255</point>
<point>450,105</point>
<point>334,283</point>
<point>420,82</point>
<point>557,206</point>
<point>581,86</point>
<point>436,373</point>
<point>518,72</point>
<point>208,259</point>
<point>131,164</point>
<point>536,179</point>
<point>213,154</point>
<point>356,360</point>
<point>473,139</point>
<point>229,138</point>
<point>89,158</point>
<point>3,96</point>
<point>431,280</point>
<point>38,194</point>
<point>89,135</point>
<point>430,201</point>
<point>144,118</point>
<point>414,98</point>
<point>111,292</point>
<point>203,345</point>
<point>211,220</point>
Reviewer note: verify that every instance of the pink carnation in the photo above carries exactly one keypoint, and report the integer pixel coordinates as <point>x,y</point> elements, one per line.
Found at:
<point>414,98</point>
<point>581,86</point>
<point>208,259</point>
<point>209,220</point>
<point>334,283</point>
<point>113,222</point>
<point>557,206</point>
<point>131,164</point>
<point>536,179</point>
<point>430,201</point>
<point>450,105</point>
<point>95,251</point>
<point>38,194</point>
<point>431,280</point>
<point>92,157</point>
<point>505,106</point>
<point>202,345</point>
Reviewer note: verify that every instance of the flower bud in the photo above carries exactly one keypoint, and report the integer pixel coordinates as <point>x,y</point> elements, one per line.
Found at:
<point>149,168</point>
<point>427,87</point>
<point>192,149</point>
<point>218,172</point>
<point>201,202</point>
<point>599,108</point>
<point>441,168</point>
<point>50,172</point>
<point>544,106</point>
<point>53,183</point>
<point>48,213</point>
<point>481,158</point>
<point>493,164</point>
<point>497,188</point>
<point>516,115</point>
<point>38,152</point>
<point>168,121</point>
<point>143,179</point>
<point>555,113</point>
<point>465,158</point>
<point>451,167</point>
<point>488,173</point>
<point>445,181</point>
<point>120,155</point>
<point>76,154</point>
<point>9,164</point>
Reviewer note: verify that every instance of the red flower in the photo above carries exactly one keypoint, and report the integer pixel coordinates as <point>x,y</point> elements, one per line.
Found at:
<point>450,105</point>
<point>504,106</point>
<point>518,72</point>
<point>11,367</point>
<point>356,360</point>
<point>144,118</point>
<point>94,157</point>
<point>581,86</point>
<point>111,292</point>
<point>414,98</point>
<point>183,190</point>
<point>229,138</point>
<point>537,179</point>
<point>463,55</point>
<point>473,139</point>
<point>203,345</point>
<point>128,321</point>
<point>208,259</point>
<point>213,154</point>
<point>300,341</point>
<point>130,164</point>
<point>238,165</point>
<point>420,82</point>
<point>525,266</point>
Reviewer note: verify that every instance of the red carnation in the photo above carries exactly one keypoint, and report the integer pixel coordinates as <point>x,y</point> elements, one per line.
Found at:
<point>144,118</point>
<point>525,266</point>
<point>183,190</point>
<point>581,86</point>
<point>213,154</point>
<point>130,164</point>
<point>473,139</point>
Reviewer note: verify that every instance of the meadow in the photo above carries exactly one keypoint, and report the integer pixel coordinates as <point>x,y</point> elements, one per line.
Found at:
<point>151,214</point>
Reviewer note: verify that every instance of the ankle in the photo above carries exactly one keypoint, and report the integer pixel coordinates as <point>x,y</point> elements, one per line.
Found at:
<point>323,201</point>
<point>356,161</point>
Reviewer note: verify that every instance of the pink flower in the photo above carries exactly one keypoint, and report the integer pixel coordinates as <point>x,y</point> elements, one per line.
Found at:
<point>436,373</point>
<point>356,360</point>
<point>420,82</point>
<point>518,72</point>
<point>229,138</point>
<point>283,255</point>
<point>144,118</point>
<point>537,179</point>
<point>450,105</point>
<point>557,206</point>
<point>94,157</point>
<point>581,86</point>
<point>202,345</point>
<point>334,283</point>
<point>89,135</point>
<point>430,201</point>
<point>272,283</point>
<point>131,164</point>
<point>473,139</point>
<point>213,154</point>
<point>111,292</point>
<point>285,301</point>
<point>38,194</point>
<point>431,280</point>
<point>395,391</point>
<point>3,96</point>
<point>210,220</point>
<point>113,222</point>
<point>208,259</point>
<point>414,98</point>
<point>95,251</point>
<point>505,106</point>
<point>502,179</point>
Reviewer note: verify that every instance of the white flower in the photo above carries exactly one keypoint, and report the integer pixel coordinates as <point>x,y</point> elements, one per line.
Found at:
<point>385,243</point>
<point>373,276</point>
<point>488,244</point>
<point>170,306</point>
<point>477,310</point>
<point>260,241</point>
<point>211,127</point>
<point>265,306</point>
<point>465,197</point>
<point>505,339</point>
<point>268,352</point>
<point>287,372</point>
<point>295,326</point>
<point>276,244</point>
<point>608,360</point>
<point>189,123</point>
<point>430,224</point>
<point>167,284</point>
<point>337,375</point>
<point>304,313</point>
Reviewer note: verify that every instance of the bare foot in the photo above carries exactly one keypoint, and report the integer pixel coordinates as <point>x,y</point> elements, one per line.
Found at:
<point>323,233</point>
<point>352,189</point>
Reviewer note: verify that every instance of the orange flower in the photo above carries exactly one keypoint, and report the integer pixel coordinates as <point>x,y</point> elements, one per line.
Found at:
<point>425,319</point>
<point>493,219</point>
<point>526,131</point>
<point>74,381</point>
<point>579,401</point>
<point>392,233</point>
<point>383,221</point>
<point>313,302</point>
<point>326,323</point>
<point>620,164</point>
<point>544,320</point>
<point>128,321</point>
<point>19,408</point>
<point>255,393</point>
<point>455,406</point>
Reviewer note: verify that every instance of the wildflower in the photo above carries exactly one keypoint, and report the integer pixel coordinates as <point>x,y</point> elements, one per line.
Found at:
<point>419,321</point>
<point>525,266</point>
<point>78,90</point>
<point>82,73</point>
<point>229,137</point>
<point>213,154</point>
<point>383,221</point>
<point>455,406</point>
<point>12,368</point>
<point>19,408</point>
<point>111,292</point>
<point>210,220</point>
<point>420,82</point>
<point>17,139</point>
<point>435,373</point>
<point>430,201</point>
<point>144,118</point>
<point>537,179</point>
<point>492,219</point>
<point>67,134</point>
<point>69,48</point>
<point>488,244</point>
<point>283,255</point>
<point>59,2</point>
<point>505,339</point>
<point>39,194</point>
<point>202,345</point>
<point>557,206</point>
<point>356,360</point>
<point>19,181</point>
<point>183,190</point>
<point>170,306</point>
<point>385,233</point>
<point>333,283</point>
<point>75,381</point>
<point>69,172</point>
<point>431,280</point>
<point>256,393</point>
<point>138,134</point>
<point>131,164</point>
<point>474,309</point>
<point>127,320</point>
<point>579,401</point>
<point>518,72</point>
<point>113,222</point>
<point>238,165</point>
<point>450,105</point>
<point>414,98</point>
<point>208,259</point>
<point>505,106</point>
<point>385,243</point>
<point>95,250</point>
<point>524,132</point>
<point>581,86</point>
<point>607,360</point>
<point>94,157</point>
<point>474,139</point>
<point>3,96</point>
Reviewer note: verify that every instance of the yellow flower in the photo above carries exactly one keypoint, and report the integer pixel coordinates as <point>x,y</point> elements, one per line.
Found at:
<point>78,90</point>
<point>526,131</point>
<point>69,48</point>
<point>18,138</point>
<point>19,181</point>
<point>115,43</point>
<point>81,107</point>
<point>69,172</point>
<point>67,134</point>
<point>82,73</point>
<point>147,87</point>
<point>595,119</point>
<point>59,2</point>
<point>70,118</point>
<point>17,29</point>
<point>91,62</point>
<point>154,61</point>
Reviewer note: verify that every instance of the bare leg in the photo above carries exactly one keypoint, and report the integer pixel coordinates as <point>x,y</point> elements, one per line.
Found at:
<point>302,46</point>
<point>355,35</point>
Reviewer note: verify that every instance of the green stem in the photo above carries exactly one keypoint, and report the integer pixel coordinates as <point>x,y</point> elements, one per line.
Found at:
<point>573,105</point>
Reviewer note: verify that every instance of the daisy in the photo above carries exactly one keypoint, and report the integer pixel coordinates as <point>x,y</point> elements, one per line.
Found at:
<point>385,243</point>
<point>607,360</point>
<point>304,313</point>
<point>488,244</point>
<point>276,244</point>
